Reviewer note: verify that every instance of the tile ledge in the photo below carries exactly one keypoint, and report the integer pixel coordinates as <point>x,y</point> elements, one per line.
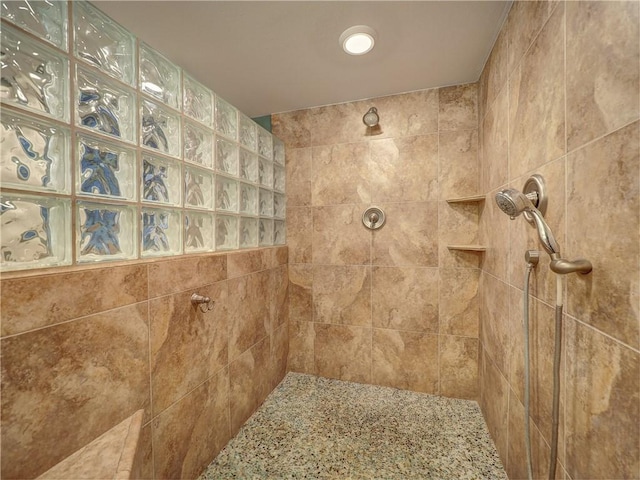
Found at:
<point>111,455</point>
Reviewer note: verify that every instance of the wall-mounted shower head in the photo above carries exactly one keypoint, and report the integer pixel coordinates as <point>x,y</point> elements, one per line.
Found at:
<point>513,203</point>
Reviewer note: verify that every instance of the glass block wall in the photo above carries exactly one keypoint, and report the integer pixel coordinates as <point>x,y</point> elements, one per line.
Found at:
<point>111,152</point>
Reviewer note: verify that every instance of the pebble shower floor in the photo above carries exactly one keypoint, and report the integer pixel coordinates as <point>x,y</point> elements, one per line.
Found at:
<point>311,427</point>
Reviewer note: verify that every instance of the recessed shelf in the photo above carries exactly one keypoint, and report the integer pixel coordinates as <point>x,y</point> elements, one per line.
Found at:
<point>469,199</point>
<point>468,248</point>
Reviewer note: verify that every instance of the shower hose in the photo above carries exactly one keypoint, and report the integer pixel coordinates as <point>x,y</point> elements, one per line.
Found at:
<point>556,374</point>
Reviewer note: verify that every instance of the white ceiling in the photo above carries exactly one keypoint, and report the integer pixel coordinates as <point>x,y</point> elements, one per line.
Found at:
<point>266,57</point>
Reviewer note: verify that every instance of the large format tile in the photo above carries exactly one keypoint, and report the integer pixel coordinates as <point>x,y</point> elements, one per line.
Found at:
<point>494,401</point>
<point>171,276</point>
<point>603,406</point>
<point>405,298</point>
<point>339,238</point>
<point>458,164</point>
<point>300,234</point>
<point>299,175</point>
<point>494,316</point>
<point>458,225</point>
<point>494,76</point>
<point>245,262</point>
<point>279,354</point>
<point>293,128</point>
<point>343,352</point>
<point>300,294</point>
<point>408,114</point>
<point>64,386</point>
<point>405,360</point>
<point>495,144</point>
<point>409,236</point>
<point>603,68</point>
<point>34,302</point>
<point>278,296</point>
<point>537,101</point>
<point>458,359</point>
<point>188,436</point>
<point>459,306</point>
<point>340,174</point>
<point>404,169</point>
<point>458,107</point>
<point>301,347</point>
<point>342,294</point>
<point>187,345</point>
<point>606,173</point>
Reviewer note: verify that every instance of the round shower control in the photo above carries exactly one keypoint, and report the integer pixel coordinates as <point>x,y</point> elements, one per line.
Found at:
<point>373,218</point>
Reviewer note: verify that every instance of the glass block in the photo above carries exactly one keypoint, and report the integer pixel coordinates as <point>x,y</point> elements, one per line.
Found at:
<point>197,101</point>
<point>279,232</point>
<point>198,188</point>
<point>35,232</point>
<point>226,232</point>
<point>161,232</point>
<point>101,42</point>
<point>160,78</point>
<point>106,232</point>
<point>279,205</point>
<point>265,205</point>
<point>226,194</point>
<point>248,232</point>
<point>198,144</point>
<point>248,166</point>
<point>247,132</point>
<point>248,199</point>
<point>34,154</point>
<point>265,232</point>
<point>279,178</point>
<point>278,151</point>
<point>46,20</point>
<point>160,129</point>
<point>226,121</point>
<point>34,76</point>
<point>226,156</point>
<point>198,232</point>
<point>265,172</point>
<point>265,144</point>
<point>161,181</point>
<point>105,169</point>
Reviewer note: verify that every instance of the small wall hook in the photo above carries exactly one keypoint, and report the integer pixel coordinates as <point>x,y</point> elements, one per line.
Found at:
<point>204,303</point>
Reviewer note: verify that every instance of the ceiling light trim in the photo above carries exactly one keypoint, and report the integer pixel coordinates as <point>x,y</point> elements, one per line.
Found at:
<point>358,40</point>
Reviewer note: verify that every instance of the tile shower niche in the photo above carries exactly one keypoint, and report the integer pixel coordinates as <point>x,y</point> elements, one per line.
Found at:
<point>112,152</point>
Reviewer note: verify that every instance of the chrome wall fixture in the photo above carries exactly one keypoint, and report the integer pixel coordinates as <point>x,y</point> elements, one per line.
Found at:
<point>371,118</point>
<point>205,304</point>
<point>373,218</point>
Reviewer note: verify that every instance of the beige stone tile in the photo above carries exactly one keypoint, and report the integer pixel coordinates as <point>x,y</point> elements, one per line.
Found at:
<point>405,298</point>
<point>603,406</point>
<point>293,128</point>
<point>189,435</point>
<point>300,293</point>
<point>65,385</point>
<point>409,237</point>
<point>494,76</point>
<point>300,234</point>
<point>339,237</point>
<point>494,402</point>
<point>523,25</point>
<point>495,229</point>
<point>458,107</point>
<point>171,276</point>
<point>406,360</point>
<point>459,306</point>
<point>249,312</point>
<point>250,381</point>
<point>299,175</point>
<point>187,345</point>
<point>143,460</point>
<point>458,359</point>
<point>243,263</point>
<point>339,123</point>
<point>536,101</point>
<point>343,352</point>
<point>495,160</point>
<point>340,174</point>
<point>458,164</point>
<point>603,68</point>
<point>404,169</point>
<point>408,114</point>
<point>494,316</point>
<point>458,225</point>
<point>342,294</point>
<point>301,347</point>
<point>67,296</point>
<point>279,354</point>
<point>278,296</point>
<point>603,226</point>
<point>276,256</point>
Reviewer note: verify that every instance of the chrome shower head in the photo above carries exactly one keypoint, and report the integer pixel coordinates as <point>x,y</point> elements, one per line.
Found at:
<point>513,203</point>
<point>371,118</point>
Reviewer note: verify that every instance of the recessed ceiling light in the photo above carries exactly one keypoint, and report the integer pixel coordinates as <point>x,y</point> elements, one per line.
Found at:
<point>358,40</point>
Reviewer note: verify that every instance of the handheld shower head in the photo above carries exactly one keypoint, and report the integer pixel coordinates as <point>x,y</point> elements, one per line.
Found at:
<point>513,203</point>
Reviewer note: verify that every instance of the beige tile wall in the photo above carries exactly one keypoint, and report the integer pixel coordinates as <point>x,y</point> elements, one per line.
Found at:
<point>82,350</point>
<point>560,96</point>
<point>392,307</point>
